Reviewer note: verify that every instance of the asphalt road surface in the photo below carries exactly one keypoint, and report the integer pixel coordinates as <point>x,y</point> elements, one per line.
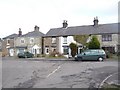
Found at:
<point>41,73</point>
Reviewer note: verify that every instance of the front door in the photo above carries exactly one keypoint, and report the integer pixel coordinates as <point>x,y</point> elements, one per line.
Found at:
<point>11,52</point>
<point>35,52</point>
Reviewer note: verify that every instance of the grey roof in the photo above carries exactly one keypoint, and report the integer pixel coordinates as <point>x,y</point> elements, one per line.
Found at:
<point>86,29</point>
<point>12,36</point>
<point>34,33</point>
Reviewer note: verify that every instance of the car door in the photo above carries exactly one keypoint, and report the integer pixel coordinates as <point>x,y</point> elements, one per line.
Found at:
<point>90,55</point>
<point>94,55</point>
<point>86,55</point>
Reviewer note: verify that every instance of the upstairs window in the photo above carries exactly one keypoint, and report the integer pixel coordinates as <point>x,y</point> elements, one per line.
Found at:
<point>53,40</point>
<point>22,41</point>
<point>65,40</point>
<point>8,41</point>
<point>107,37</point>
<point>31,40</point>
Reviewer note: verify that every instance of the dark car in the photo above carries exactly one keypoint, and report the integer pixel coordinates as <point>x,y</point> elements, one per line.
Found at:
<point>25,55</point>
<point>91,54</point>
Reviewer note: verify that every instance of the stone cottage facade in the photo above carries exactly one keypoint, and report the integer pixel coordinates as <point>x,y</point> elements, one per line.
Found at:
<point>32,42</point>
<point>8,44</point>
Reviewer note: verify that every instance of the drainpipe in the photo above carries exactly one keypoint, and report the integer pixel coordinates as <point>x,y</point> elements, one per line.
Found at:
<point>42,45</point>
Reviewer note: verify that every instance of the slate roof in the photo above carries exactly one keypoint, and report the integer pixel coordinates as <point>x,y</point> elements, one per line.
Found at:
<point>11,36</point>
<point>86,29</point>
<point>34,33</point>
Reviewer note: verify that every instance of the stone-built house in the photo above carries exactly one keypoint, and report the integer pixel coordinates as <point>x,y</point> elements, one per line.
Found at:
<point>8,44</point>
<point>59,38</point>
<point>32,42</point>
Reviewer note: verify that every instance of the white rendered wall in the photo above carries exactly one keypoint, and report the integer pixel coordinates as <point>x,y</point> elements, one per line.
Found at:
<point>70,39</point>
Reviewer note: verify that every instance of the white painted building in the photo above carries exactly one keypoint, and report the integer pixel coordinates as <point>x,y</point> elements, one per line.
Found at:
<point>64,42</point>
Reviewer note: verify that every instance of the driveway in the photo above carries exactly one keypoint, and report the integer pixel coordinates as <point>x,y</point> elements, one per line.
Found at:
<point>41,73</point>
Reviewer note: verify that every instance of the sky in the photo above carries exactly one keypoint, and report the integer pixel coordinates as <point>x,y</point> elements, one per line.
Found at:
<point>47,14</point>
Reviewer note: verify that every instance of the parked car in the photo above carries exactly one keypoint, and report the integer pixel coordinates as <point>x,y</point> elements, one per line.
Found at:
<point>91,54</point>
<point>25,55</point>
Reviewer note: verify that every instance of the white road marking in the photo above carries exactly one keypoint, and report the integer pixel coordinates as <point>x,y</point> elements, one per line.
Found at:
<point>101,84</point>
<point>53,71</point>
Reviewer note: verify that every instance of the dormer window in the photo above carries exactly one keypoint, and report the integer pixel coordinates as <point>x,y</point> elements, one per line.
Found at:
<point>65,40</point>
<point>53,40</point>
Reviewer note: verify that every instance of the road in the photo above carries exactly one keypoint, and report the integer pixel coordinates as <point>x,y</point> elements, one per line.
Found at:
<point>41,73</point>
<point>0,70</point>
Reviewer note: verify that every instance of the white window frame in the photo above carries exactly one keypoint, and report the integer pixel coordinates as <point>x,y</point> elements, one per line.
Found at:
<point>65,40</point>
<point>65,48</point>
<point>107,37</point>
<point>8,41</point>
<point>53,40</point>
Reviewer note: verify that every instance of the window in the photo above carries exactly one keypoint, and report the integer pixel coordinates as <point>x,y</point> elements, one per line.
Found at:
<point>21,50</point>
<point>107,37</point>
<point>22,41</point>
<point>8,41</point>
<point>53,39</point>
<point>65,40</point>
<point>65,50</point>
<point>111,49</point>
<point>31,40</point>
<point>86,52</point>
<point>47,50</point>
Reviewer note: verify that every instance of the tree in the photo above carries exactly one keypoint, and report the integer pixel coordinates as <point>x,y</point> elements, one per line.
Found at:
<point>94,43</point>
<point>81,39</point>
<point>73,48</point>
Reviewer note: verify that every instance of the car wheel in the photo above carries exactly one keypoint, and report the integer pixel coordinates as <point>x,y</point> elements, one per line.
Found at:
<point>25,56</point>
<point>100,59</point>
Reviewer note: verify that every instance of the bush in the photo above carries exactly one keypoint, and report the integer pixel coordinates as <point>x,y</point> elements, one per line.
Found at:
<point>118,53</point>
<point>73,48</point>
<point>38,55</point>
<point>55,54</point>
<point>43,55</point>
<point>108,54</point>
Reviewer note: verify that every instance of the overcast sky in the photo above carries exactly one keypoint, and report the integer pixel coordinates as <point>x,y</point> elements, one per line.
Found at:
<point>46,14</point>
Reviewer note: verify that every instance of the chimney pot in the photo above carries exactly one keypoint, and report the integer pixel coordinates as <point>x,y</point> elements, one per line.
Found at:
<point>65,24</point>
<point>96,21</point>
<point>36,28</point>
<point>20,32</point>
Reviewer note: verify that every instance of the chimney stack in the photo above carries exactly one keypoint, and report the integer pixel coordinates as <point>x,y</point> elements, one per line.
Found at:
<point>96,21</point>
<point>36,28</point>
<point>20,32</point>
<point>65,24</point>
